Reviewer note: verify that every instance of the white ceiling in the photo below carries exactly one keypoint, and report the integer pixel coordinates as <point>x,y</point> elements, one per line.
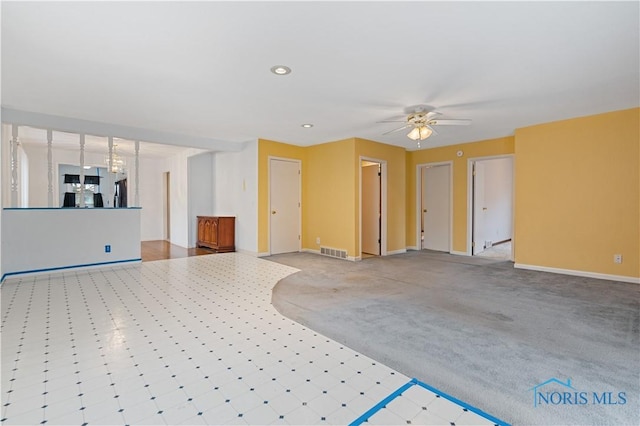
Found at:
<point>202,68</point>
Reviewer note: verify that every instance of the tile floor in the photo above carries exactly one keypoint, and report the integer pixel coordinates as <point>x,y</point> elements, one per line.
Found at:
<point>187,341</point>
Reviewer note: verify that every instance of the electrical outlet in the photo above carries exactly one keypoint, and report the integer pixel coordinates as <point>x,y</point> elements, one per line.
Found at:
<point>107,248</point>
<point>318,240</point>
<point>617,258</point>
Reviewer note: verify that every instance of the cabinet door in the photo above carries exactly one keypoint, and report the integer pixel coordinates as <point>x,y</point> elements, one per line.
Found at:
<point>201,230</point>
<point>214,232</point>
<point>207,231</point>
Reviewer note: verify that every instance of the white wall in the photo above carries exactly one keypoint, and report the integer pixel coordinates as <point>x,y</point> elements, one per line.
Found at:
<point>236,193</point>
<point>200,187</point>
<point>499,198</point>
<point>38,182</point>
<point>3,142</point>
<point>152,198</point>
<point>40,239</point>
<point>179,221</point>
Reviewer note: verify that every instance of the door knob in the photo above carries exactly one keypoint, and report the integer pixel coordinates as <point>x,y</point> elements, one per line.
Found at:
<point>273,212</point>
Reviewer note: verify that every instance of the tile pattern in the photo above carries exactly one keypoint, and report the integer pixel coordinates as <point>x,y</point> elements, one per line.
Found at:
<point>184,341</point>
<point>420,406</point>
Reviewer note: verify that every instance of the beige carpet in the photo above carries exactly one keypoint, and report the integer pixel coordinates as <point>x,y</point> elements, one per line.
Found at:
<point>478,329</point>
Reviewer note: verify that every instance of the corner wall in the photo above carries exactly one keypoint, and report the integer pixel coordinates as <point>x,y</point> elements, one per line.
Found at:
<point>178,167</point>
<point>329,200</point>
<point>200,183</point>
<point>236,193</point>
<point>330,192</point>
<point>577,194</point>
<point>152,198</point>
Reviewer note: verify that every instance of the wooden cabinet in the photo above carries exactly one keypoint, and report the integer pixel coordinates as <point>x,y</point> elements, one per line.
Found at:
<point>217,233</point>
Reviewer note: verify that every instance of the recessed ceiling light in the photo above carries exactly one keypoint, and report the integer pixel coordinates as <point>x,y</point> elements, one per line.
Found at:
<point>280,70</point>
<point>307,126</point>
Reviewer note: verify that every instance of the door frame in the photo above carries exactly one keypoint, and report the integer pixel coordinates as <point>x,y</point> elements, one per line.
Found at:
<point>470,162</point>
<point>419,190</point>
<point>291,160</point>
<point>383,205</point>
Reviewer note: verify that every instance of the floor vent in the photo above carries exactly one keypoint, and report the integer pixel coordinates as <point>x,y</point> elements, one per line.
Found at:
<point>340,254</point>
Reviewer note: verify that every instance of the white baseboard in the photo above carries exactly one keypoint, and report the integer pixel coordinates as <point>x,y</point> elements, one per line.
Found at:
<point>392,252</point>
<point>576,273</point>
<point>308,250</point>
<point>263,254</point>
<point>459,253</point>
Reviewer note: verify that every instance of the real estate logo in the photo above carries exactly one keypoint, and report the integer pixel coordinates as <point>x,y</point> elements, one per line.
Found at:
<point>555,392</point>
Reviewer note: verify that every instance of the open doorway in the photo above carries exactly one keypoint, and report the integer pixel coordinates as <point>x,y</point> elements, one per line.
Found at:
<point>492,207</point>
<point>371,209</point>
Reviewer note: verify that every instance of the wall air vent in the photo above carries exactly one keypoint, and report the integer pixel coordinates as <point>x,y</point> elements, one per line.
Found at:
<point>327,251</point>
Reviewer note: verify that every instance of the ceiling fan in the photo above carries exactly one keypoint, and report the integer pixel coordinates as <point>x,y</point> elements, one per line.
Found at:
<point>421,123</point>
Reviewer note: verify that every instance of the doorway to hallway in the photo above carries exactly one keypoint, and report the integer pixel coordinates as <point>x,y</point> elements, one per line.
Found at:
<point>371,208</point>
<point>492,206</point>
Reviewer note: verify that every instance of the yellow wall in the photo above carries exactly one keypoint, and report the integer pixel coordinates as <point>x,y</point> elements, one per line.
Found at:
<point>394,156</point>
<point>330,192</point>
<point>330,202</point>
<point>268,149</point>
<point>577,194</point>
<point>486,148</point>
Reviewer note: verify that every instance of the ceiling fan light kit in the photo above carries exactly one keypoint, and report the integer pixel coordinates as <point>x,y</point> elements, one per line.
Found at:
<point>420,133</point>
<point>421,122</point>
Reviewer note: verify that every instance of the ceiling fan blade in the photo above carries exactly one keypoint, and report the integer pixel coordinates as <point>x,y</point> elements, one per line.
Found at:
<point>431,115</point>
<point>432,129</point>
<point>394,118</point>
<point>398,129</point>
<point>450,122</point>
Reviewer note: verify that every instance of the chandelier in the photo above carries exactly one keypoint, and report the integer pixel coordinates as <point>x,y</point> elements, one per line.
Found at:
<point>116,163</point>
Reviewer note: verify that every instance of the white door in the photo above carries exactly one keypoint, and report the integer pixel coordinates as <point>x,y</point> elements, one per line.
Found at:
<point>479,208</point>
<point>284,208</point>
<point>371,209</point>
<point>436,215</point>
